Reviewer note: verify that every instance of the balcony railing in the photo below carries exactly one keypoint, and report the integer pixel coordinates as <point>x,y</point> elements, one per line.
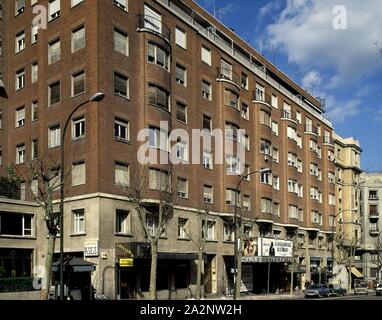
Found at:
<point>155,26</point>
<point>373,197</point>
<point>262,96</point>
<point>373,214</point>
<point>374,231</point>
<point>228,74</point>
<point>309,128</point>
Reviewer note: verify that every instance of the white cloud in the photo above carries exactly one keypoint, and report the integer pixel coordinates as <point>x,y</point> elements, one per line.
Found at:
<point>270,7</point>
<point>304,30</point>
<point>312,80</point>
<point>339,111</point>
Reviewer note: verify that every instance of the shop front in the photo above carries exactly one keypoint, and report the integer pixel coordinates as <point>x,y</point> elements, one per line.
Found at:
<point>133,264</point>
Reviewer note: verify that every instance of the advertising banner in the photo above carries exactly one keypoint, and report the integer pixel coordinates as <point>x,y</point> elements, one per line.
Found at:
<point>276,248</point>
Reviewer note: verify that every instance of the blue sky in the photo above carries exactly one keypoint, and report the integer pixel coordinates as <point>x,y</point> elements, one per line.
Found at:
<point>344,66</point>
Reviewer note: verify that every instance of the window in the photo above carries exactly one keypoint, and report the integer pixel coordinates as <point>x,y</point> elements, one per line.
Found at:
<point>244,81</point>
<point>231,99</point>
<point>225,70</point>
<point>20,79</point>
<point>54,51</point>
<point>332,199</point>
<point>78,128</point>
<point>181,112</point>
<point>292,134</point>
<point>293,212</point>
<point>158,56</point>
<point>20,117</point>
<point>299,165</point>
<point>299,141</point>
<point>298,117</point>
<point>78,83</point>
<point>34,111</point>
<point>181,151</point>
<point>34,33</point>
<point>153,20</point>
<point>207,160</point>
<point>292,160</point>
<point>34,72</point>
<point>121,174</point>
<point>206,90</point>
<point>76,2</point>
<point>122,221</point>
<point>78,221</point>
<point>300,191</point>
<point>121,85</point>
<point>34,151</point>
<point>121,42</point>
<point>182,225</point>
<point>158,139</point>
<point>275,128</point>
<point>78,39</point>
<point>121,130</point>
<point>16,224</point>
<point>287,111</point>
<point>315,216</point>
<point>275,155</point>
<point>20,154</point>
<point>247,171</point>
<point>276,183</point>
<point>19,7</point>
<point>244,111</point>
<point>314,193</point>
<point>246,142</point>
<point>78,173</point>
<point>209,226</point>
<point>54,9</point>
<point>231,131</point>
<point>292,186</point>
<point>373,195</point>
<point>54,137</point>
<point>152,224</point>
<point>274,101</point>
<point>313,169</point>
<point>300,215</point>
<point>159,180</point>
<point>276,209</point>
<point>260,93</point>
<point>208,194</point>
<point>182,187</point>
<point>207,123</point>
<point>266,205</point>
<point>20,42</point>
<point>181,75</point>
<point>266,177</point>
<point>331,177</point>
<point>158,97</point>
<point>228,232</point>
<point>54,93</point>
<point>121,4</point>
<point>180,38</point>
<point>206,55</point>
<point>232,165</point>
<point>265,118</point>
<point>265,147</point>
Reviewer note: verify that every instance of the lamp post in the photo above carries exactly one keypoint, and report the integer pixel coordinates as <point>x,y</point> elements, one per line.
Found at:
<point>237,253</point>
<point>95,98</point>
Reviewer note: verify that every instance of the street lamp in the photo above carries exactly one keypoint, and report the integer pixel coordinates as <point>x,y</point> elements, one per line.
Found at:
<point>237,264</point>
<point>95,98</point>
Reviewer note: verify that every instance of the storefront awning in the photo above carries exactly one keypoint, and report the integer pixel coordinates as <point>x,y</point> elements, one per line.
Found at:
<point>356,272</point>
<point>75,264</point>
<point>177,256</point>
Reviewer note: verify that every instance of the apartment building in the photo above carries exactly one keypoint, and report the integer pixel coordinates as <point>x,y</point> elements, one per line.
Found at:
<point>348,232</point>
<point>368,256</point>
<point>161,60</point>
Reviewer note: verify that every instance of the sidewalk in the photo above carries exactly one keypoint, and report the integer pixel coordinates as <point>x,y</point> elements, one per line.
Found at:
<point>295,296</point>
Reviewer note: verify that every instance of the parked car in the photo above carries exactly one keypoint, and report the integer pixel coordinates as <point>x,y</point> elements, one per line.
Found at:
<point>360,288</point>
<point>336,291</point>
<point>317,290</point>
<point>378,290</point>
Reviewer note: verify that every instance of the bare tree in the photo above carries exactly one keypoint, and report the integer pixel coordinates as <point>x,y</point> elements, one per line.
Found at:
<point>158,213</point>
<point>42,178</point>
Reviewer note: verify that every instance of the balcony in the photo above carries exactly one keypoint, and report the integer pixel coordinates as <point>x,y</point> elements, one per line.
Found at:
<point>228,75</point>
<point>373,215</point>
<point>155,26</point>
<point>286,114</point>
<point>374,231</point>
<point>309,128</point>
<point>263,97</point>
<point>373,197</point>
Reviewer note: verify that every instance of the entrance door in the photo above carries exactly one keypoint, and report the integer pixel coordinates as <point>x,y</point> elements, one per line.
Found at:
<point>126,284</point>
